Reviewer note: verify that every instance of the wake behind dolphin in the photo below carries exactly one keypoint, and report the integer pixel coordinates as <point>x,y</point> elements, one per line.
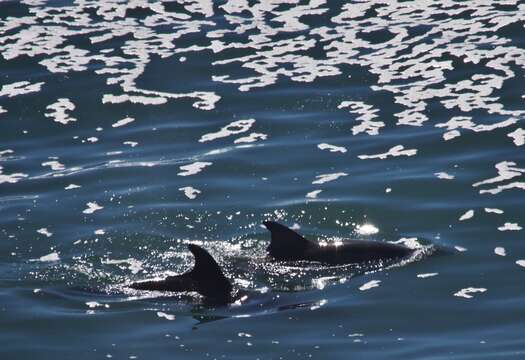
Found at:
<point>207,278</point>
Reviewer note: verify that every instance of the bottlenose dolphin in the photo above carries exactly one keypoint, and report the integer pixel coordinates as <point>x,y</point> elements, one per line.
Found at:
<point>287,245</point>
<point>206,278</point>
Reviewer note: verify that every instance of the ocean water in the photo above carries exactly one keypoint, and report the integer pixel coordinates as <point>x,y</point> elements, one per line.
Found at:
<point>130,129</point>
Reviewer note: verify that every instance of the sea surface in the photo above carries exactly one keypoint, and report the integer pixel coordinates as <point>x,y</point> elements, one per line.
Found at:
<point>129,129</point>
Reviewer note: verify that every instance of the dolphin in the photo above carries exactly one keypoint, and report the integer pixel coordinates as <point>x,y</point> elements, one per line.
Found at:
<point>206,278</point>
<point>287,245</point>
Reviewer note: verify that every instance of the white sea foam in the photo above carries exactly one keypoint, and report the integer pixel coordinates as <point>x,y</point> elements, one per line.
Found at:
<point>465,122</point>
<point>369,285</point>
<point>48,258</point>
<point>426,275</point>
<point>45,232</point>
<point>95,304</point>
<point>366,114</point>
<point>321,179</point>
<point>500,251</point>
<point>500,188</point>
<point>235,127</point>
<point>253,137</point>
<point>465,293</point>
<point>444,175</point>
<point>332,148</point>
<point>192,169</point>
<point>190,192</point>
<point>123,122</point>
<point>165,315</point>
<point>20,88</point>
<point>72,186</point>
<point>92,207</point>
<point>134,99</point>
<point>507,170</point>
<point>54,165</point>
<point>313,194</point>
<point>398,150</point>
<point>58,111</point>
<point>131,143</point>
<point>493,210</point>
<point>518,136</point>
<point>412,69</point>
<point>449,135</point>
<point>11,178</point>
<point>467,215</point>
<point>510,227</point>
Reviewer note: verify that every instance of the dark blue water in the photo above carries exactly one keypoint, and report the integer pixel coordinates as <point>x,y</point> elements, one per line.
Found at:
<point>130,130</point>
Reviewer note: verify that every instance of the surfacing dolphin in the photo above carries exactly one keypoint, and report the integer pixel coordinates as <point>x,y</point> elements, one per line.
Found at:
<point>206,278</point>
<point>287,245</point>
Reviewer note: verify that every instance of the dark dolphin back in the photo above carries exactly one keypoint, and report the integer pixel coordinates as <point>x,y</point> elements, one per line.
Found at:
<point>286,244</point>
<point>207,276</point>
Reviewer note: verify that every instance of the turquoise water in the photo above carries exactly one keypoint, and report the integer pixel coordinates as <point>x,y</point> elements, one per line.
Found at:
<point>130,130</point>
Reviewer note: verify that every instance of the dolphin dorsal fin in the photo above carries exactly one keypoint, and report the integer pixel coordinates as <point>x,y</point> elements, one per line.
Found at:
<point>286,244</point>
<point>208,277</point>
